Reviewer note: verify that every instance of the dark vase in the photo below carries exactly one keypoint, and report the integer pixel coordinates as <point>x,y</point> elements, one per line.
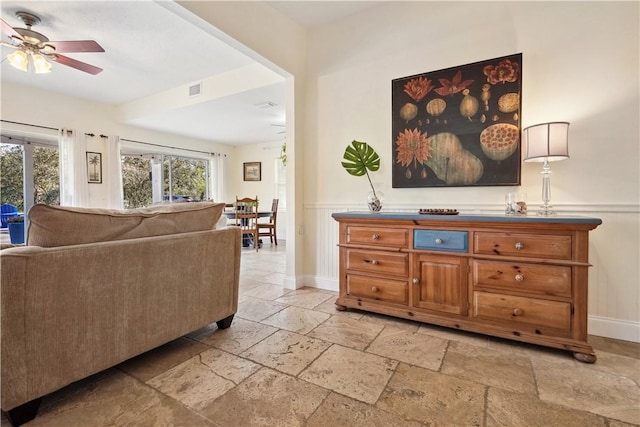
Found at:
<point>16,232</point>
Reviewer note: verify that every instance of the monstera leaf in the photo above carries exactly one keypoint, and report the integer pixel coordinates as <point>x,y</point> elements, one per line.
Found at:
<point>360,158</point>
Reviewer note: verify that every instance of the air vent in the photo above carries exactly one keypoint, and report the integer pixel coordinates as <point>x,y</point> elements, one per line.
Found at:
<point>194,90</point>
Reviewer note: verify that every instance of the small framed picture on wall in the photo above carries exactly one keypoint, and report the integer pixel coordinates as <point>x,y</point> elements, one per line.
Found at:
<point>252,171</point>
<point>94,167</point>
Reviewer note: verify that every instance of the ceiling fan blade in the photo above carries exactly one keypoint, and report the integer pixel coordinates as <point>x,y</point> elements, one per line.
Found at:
<point>12,46</point>
<point>8,30</point>
<point>76,46</point>
<point>82,66</point>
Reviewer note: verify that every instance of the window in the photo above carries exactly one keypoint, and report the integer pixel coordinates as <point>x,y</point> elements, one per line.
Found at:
<point>152,178</point>
<point>136,182</point>
<point>46,175</point>
<point>185,179</point>
<point>42,181</point>
<point>11,175</point>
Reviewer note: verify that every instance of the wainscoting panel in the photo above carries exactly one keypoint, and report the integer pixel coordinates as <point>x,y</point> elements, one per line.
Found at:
<point>322,247</point>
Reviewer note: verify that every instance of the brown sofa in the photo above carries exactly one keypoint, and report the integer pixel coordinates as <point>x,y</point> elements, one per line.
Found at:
<point>93,288</point>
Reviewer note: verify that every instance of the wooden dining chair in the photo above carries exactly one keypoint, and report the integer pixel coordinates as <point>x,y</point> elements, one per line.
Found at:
<point>268,229</point>
<point>247,219</point>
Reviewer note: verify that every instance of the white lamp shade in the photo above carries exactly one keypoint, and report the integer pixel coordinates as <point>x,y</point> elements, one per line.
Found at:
<point>40,64</point>
<point>546,141</point>
<point>19,59</point>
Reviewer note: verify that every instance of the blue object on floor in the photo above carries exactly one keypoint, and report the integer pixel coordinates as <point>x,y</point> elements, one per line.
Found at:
<point>7,211</point>
<point>16,233</point>
<point>247,241</point>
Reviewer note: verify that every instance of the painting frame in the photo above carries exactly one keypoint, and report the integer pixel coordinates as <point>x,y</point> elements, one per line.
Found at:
<point>252,171</point>
<point>94,167</point>
<point>458,126</point>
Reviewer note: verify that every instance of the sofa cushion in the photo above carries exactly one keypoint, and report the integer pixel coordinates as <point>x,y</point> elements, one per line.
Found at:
<point>51,226</point>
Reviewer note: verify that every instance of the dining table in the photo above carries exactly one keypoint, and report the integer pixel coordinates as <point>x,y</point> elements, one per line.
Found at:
<point>246,239</point>
<point>231,214</point>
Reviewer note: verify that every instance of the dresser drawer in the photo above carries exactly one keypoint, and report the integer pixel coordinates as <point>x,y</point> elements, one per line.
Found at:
<point>523,245</point>
<point>378,236</point>
<point>378,262</point>
<point>521,310</point>
<point>441,240</point>
<point>534,278</point>
<point>395,291</point>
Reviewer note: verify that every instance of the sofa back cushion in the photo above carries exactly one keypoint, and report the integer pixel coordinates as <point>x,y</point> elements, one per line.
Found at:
<point>51,226</point>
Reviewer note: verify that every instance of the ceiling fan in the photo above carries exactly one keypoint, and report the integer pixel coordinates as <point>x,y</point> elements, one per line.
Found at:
<point>31,43</point>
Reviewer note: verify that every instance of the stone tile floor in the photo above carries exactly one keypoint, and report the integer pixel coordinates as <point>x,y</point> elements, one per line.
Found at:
<point>291,359</point>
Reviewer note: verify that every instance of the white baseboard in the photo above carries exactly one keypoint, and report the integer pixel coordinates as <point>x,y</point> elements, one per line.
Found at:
<point>322,283</point>
<point>614,328</point>
<point>292,283</point>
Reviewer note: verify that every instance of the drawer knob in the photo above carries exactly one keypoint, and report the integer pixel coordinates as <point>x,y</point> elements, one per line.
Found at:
<point>374,289</point>
<point>519,277</point>
<point>518,312</point>
<point>519,245</point>
<point>374,261</point>
<point>375,237</point>
<point>438,241</point>
<point>415,281</point>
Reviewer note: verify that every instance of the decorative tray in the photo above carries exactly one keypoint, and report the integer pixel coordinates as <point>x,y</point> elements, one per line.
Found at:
<point>438,212</point>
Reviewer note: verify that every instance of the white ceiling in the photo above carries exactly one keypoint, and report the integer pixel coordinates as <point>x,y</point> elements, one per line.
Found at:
<point>150,50</point>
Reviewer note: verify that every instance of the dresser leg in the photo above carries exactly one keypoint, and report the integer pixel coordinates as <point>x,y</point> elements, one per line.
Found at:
<point>341,307</point>
<point>585,357</point>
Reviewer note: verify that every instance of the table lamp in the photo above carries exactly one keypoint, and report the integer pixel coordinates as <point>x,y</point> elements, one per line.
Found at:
<point>546,142</point>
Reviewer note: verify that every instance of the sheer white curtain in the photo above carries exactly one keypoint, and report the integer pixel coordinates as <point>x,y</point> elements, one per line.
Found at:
<point>217,178</point>
<point>74,189</point>
<point>115,199</point>
<point>157,186</point>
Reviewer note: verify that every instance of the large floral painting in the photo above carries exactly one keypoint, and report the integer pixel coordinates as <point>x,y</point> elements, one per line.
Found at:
<point>459,126</point>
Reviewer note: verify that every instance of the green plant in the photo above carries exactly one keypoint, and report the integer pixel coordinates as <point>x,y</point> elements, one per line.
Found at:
<point>360,159</point>
<point>283,154</point>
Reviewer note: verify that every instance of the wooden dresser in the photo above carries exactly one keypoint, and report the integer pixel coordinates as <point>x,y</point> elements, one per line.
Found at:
<point>522,278</point>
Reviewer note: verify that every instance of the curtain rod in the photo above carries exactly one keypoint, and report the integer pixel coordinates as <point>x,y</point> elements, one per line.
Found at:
<point>28,124</point>
<point>121,139</point>
<point>174,148</point>
<point>6,139</point>
<point>46,127</point>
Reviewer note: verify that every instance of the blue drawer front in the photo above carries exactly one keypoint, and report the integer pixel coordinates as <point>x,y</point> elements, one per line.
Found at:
<point>441,240</point>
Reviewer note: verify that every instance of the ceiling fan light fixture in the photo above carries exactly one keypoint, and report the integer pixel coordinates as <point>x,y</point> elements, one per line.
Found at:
<point>40,64</point>
<point>19,59</point>
<point>32,44</point>
<point>48,49</point>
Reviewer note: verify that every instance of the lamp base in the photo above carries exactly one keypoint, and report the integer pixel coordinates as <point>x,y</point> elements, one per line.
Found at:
<point>546,210</point>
